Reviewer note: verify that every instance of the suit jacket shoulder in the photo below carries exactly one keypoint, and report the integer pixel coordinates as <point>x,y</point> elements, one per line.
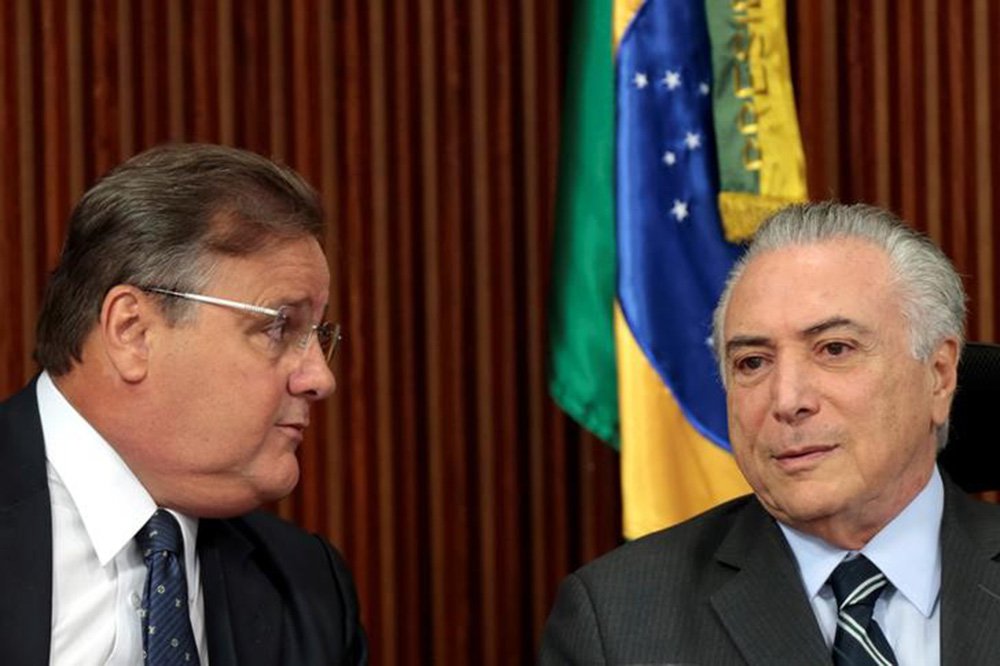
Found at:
<point>25,534</point>
<point>970,579</point>
<point>275,594</point>
<point>722,588</point>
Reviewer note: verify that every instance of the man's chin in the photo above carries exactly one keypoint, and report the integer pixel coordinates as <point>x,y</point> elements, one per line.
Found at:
<point>802,506</point>
<point>280,482</point>
<point>235,492</point>
<point>275,485</point>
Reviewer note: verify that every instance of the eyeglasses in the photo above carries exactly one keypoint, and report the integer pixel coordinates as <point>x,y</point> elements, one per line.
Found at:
<point>290,322</point>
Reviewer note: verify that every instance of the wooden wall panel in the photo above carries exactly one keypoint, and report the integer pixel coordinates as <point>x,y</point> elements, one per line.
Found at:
<point>456,490</point>
<point>458,493</point>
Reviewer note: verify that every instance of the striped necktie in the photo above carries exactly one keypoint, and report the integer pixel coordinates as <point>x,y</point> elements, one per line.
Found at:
<point>856,584</point>
<point>167,639</point>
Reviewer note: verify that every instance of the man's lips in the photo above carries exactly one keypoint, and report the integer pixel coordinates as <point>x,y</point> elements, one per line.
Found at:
<point>803,457</point>
<point>294,430</point>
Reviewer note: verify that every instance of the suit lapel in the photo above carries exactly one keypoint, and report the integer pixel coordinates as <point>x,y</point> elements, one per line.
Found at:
<point>763,607</point>
<point>243,610</point>
<point>970,580</point>
<point>25,534</point>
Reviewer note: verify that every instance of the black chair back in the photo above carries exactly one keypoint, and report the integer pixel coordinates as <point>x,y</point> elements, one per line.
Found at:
<point>972,457</point>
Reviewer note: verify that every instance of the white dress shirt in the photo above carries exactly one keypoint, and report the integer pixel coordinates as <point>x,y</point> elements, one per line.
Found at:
<point>908,552</point>
<point>98,574</point>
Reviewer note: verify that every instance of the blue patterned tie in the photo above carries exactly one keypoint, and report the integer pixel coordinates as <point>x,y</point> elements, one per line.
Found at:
<point>167,638</point>
<point>857,584</point>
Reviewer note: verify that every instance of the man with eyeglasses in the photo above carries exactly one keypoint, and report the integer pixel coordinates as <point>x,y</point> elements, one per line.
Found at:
<point>182,342</point>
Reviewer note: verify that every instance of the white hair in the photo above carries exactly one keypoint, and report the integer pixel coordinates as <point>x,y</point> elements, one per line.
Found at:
<point>933,299</point>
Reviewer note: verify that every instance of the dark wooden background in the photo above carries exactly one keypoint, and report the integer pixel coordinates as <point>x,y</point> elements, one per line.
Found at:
<point>456,490</point>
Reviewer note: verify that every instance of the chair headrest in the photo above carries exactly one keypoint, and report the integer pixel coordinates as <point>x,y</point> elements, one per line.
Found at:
<point>972,456</point>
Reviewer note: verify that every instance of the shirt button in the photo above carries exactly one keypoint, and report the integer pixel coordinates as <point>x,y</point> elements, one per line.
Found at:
<point>135,599</point>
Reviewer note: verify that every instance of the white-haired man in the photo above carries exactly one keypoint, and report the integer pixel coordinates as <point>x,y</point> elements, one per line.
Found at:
<point>838,337</point>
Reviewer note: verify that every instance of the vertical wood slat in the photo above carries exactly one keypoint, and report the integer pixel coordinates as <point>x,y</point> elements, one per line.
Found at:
<point>227,87</point>
<point>932,125</point>
<point>860,100</point>
<point>126,92</point>
<point>456,536</point>
<point>175,72</point>
<point>983,187</point>
<point>528,185</point>
<point>204,69</point>
<point>457,492</point>
<point>25,209</point>
<point>483,180</point>
<point>433,338</point>
<point>150,41</point>
<point>55,93</point>
<point>956,137</point>
<point>12,344</point>
<point>880,108</point>
<point>819,104</point>
<point>504,372</point>
<point>906,111</point>
<point>74,110</point>
<point>276,68</point>
<point>412,623</point>
<point>992,148</point>
<point>102,141</point>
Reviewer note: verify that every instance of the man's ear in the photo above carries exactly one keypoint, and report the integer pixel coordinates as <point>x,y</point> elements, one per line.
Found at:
<point>944,369</point>
<point>126,319</point>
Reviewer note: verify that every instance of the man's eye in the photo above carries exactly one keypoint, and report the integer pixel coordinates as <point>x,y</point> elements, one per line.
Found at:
<point>277,330</point>
<point>836,348</point>
<point>749,364</point>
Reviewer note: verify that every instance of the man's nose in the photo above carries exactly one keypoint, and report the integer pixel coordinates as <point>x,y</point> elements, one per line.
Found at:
<point>313,378</point>
<point>792,392</point>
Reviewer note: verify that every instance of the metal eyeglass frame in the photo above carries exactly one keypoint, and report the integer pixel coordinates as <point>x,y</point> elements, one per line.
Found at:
<point>303,343</point>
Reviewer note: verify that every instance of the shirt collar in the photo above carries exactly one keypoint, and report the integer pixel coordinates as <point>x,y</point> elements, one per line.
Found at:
<point>907,550</point>
<point>112,502</point>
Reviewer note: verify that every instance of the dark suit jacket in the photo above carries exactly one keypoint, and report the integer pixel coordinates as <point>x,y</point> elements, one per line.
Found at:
<point>724,588</point>
<point>273,594</point>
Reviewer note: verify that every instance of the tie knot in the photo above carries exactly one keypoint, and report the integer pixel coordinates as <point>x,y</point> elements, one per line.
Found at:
<point>161,533</point>
<point>857,581</point>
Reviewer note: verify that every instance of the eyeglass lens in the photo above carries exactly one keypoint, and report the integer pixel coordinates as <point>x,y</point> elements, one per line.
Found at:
<point>300,328</point>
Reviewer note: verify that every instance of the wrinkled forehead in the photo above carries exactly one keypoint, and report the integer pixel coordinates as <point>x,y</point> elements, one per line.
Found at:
<point>795,284</point>
<point>295,272</point>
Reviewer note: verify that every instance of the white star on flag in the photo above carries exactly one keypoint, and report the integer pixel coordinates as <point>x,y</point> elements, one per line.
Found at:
<point>672,79</point>
<point>669,158</point>
<point>703,88</point>
<point>692,140</point>
<point>680,210</point>
<point>640,80</point>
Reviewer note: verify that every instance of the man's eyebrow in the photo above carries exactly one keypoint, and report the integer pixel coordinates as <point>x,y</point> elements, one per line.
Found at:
<point>744,341</point>
<point>301,304</point>
<point>834,322</point>
<point>741,341</point>
<point>278,301</point>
